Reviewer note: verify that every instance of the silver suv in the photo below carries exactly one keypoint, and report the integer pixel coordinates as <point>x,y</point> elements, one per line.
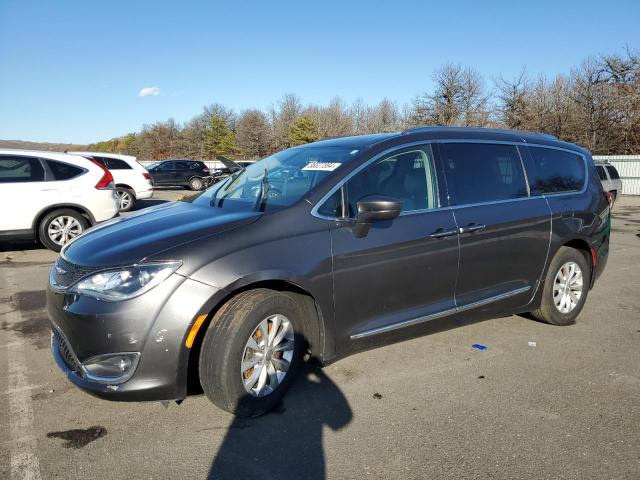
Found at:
<point>610,179</point>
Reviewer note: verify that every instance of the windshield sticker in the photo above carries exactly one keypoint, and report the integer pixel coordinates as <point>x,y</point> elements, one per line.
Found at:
<point>322,166</point>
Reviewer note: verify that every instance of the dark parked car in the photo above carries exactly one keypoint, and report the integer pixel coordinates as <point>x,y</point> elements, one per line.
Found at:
<point>332,247</point>
<point>192,174</point>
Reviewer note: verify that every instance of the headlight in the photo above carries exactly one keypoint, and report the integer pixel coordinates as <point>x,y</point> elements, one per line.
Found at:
<point>124,283</point>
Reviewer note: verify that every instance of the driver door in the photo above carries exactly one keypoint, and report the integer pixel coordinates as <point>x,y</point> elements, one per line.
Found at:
<point>402,271</point>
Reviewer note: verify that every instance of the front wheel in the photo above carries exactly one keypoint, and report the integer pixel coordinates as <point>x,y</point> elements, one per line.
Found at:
<point>565,288</point>
<point>252,351</point>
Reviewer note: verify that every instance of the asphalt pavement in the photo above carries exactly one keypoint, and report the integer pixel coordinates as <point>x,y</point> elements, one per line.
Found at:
<point>541,402</point>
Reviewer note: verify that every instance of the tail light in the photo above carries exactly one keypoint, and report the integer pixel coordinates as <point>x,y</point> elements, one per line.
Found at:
<point>106,181</point>
<point>146,175</point>
<point>205,170</point>
<point>609,197</point>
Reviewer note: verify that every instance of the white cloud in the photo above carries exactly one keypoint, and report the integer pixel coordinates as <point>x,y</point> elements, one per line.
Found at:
<point>149,92</point>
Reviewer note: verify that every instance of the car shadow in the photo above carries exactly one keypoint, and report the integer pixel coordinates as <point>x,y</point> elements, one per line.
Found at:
<point>286,443</point>
<point>19,245</point>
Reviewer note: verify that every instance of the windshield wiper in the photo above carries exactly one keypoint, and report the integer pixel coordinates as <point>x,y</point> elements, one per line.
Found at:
<point>230,179</point>
<point>261,201</point>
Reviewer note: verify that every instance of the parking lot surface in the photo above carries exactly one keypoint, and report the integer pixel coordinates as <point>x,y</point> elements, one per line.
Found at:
<point>541,402</point>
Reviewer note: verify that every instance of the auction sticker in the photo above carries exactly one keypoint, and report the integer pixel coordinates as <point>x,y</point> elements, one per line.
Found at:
<point>322,166</point>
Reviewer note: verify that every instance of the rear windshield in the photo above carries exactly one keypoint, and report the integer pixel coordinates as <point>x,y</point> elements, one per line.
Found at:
<point>601,173</point>
<point>613,173</point>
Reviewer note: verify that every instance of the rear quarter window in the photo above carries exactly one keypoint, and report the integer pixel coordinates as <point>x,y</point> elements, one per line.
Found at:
<point>63,171</point>
<point>613,173</point>
<point>555,171</point>
<point>116,164</point>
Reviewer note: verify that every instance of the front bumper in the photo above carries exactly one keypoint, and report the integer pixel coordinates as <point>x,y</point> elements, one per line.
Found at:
<point>154,324</point>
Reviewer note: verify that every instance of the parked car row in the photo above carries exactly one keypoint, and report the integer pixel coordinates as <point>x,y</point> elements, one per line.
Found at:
<point>55,197</point>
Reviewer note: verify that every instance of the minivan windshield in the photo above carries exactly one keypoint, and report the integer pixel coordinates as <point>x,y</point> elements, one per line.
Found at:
<point>277,181</point>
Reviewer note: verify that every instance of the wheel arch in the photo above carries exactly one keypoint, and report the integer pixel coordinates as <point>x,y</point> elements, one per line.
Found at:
<point>128,187</point>
<point>314,324</point>
<point>59,206</point>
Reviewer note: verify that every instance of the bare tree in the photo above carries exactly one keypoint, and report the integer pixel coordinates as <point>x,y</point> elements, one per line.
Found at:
<point>513,100</point>
<point>283,115</point>
<point>253,134</point>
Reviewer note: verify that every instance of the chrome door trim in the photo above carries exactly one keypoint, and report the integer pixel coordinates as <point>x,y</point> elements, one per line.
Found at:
<point>444,313</point>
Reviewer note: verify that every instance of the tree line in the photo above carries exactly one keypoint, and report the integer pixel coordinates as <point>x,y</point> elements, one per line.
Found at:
<point>596,104</point>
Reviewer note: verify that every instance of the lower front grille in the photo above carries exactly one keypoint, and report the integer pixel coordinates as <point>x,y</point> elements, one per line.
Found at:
<point>65,352</point>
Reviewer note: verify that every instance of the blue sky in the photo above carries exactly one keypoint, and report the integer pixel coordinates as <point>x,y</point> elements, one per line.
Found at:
<point>72,70</point>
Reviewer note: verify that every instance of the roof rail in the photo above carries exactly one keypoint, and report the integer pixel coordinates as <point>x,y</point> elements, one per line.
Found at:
<point>479,129</point>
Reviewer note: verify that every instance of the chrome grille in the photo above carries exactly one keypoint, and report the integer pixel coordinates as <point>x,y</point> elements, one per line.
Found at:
<point>67,273</point>
<point>65,352</point>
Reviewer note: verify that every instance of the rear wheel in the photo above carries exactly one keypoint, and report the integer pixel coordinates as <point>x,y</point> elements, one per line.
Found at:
<point>196,183</point>
<point>126,199</point>
<point>60,227</point>
<point>565,288</point>
<point>252,351</point>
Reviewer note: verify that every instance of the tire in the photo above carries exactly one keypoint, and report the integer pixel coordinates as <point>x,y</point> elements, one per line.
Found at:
<point>225,347</point>
<point>566,312</point>
<point>126,199</point>
<point>58,220</point>
<point>196,183</point>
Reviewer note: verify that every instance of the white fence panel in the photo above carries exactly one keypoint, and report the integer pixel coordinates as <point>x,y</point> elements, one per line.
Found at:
<point>628,167</point>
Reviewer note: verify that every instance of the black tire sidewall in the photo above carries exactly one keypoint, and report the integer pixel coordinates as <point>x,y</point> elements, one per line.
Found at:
<point>550,312</point>
<point>223,348</point>
<point>43,227</point>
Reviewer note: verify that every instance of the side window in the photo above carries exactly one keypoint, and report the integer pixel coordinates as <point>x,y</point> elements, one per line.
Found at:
<point>196,166</point>
<point>116,164</point>
<point>482,172</point>
<point>179,166</point>
<point>332,207</point>
<point>167,166</point>
<point>613,173</point>
<point>601,173</point>
<point>406,176</point>
<point>63,171</point>
<point>15,169</point>
<point>555,171</point>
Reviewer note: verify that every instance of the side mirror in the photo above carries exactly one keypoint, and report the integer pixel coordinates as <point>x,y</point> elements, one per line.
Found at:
<point>376,208</point>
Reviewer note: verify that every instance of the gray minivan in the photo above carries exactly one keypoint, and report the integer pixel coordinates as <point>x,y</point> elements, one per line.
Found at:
<point>328,248</point>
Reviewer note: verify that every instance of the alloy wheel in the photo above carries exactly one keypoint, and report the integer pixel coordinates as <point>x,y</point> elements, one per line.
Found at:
<point>124,199</point>
<point>63,229</point>
<point>567,287</point>
<point>267,355</point>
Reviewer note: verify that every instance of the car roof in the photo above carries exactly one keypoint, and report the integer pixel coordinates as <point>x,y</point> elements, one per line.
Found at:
<point>118,156</point>
<point>77,160</point>
<point>448,133</point>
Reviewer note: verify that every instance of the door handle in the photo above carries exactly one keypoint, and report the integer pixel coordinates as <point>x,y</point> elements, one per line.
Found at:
<point>442,233</point>
<point>472,227</point>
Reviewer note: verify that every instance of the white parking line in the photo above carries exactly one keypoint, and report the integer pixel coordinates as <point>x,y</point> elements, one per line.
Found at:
<point>24,460</point>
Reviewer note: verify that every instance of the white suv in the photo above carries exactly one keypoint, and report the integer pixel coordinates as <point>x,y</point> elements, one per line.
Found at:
<point>53,197</point>
<point>132,180</point>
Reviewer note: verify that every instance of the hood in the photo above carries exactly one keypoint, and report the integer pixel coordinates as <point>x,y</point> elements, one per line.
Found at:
<point>129,240</point>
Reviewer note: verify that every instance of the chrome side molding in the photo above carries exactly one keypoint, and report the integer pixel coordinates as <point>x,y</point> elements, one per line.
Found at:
<point>444,313</point>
